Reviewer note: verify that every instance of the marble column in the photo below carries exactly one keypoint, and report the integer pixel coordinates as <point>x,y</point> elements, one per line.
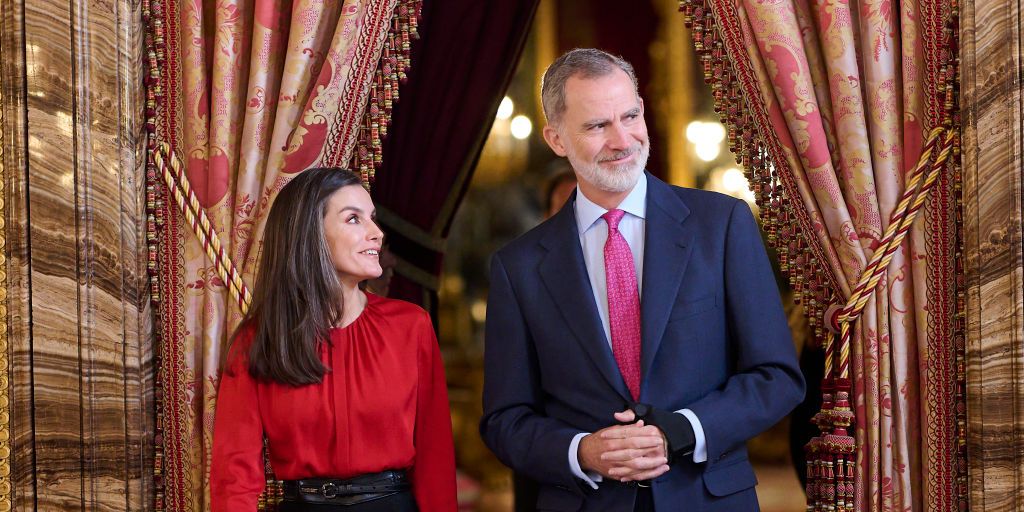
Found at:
<point>992,103</point>
<point>76,328</point>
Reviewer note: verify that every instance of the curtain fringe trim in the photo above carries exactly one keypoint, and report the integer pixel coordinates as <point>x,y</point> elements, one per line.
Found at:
<point>719,47</point>
<point>163,163</point>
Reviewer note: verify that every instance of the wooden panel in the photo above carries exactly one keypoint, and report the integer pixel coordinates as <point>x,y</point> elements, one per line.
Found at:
<point>992,100</point>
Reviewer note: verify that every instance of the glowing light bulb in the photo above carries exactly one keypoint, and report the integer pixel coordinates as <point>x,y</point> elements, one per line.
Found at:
<point>734,181</point>
<point>521,127</point>
<point>708,151</point>
<point>705,132</point>
<point>505,108</point>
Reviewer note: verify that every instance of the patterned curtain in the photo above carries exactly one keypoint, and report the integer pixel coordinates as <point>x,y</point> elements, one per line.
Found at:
<point>243,94</point>
<point>829,105</point>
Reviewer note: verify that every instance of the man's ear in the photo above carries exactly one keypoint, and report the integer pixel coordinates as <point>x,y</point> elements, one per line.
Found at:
<point>554,140</point>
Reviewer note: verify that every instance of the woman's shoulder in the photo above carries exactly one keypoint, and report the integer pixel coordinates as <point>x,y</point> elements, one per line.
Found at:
<point>240,344</point>
<point>396,309</point>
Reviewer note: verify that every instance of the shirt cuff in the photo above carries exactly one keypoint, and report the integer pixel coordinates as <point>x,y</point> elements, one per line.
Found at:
<point>589,477</point>
<point>700,447</point>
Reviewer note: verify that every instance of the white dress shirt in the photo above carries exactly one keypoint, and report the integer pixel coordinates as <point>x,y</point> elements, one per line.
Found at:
<point>593,232</point>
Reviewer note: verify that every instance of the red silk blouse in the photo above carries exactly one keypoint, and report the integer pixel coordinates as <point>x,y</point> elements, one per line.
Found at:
<point>382,405</point>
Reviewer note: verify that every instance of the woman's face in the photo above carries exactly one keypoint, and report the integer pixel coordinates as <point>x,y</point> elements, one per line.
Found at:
<point>352,235</point>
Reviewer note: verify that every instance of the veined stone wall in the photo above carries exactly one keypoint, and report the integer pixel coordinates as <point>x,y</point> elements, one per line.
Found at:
<point>76,413</point>
<point>992,127</point>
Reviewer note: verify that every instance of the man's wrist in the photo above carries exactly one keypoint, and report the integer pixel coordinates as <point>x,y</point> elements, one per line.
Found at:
<point>675,429</point>
<point>576,457</point>
<point>584,461</point>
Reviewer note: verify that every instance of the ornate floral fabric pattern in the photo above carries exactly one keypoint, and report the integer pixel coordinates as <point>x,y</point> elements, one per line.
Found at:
<point>842,96</point>
<point>253,91</point>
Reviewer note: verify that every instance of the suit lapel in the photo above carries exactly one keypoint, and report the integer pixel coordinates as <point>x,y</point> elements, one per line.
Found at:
<point>564,274</point>
<point>667,246</point>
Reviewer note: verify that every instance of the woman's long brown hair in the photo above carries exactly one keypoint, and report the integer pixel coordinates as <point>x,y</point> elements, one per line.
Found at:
<point>297,298</point>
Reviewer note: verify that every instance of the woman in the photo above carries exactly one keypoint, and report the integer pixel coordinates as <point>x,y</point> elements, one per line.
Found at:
<point>347,387</point>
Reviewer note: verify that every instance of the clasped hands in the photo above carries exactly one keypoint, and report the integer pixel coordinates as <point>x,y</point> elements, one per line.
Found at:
<point>629,452</point>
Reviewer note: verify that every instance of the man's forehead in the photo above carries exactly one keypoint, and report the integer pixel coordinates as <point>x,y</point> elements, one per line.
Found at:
<point>600,93</point>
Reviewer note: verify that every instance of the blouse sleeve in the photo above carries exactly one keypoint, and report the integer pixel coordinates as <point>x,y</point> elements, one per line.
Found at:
<point>433,471</point>
<point>236,471</point>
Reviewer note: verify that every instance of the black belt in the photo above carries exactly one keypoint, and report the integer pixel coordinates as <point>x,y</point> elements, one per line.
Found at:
<point>350,491</point>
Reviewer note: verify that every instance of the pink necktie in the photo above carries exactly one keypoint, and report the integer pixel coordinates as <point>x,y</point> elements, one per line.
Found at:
<point>623,303</point>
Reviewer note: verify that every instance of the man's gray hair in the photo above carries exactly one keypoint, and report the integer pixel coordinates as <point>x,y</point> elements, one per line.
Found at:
<point>585,62</point>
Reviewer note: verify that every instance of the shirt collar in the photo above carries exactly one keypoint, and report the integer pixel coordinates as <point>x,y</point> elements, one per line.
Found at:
<point>587,212</point>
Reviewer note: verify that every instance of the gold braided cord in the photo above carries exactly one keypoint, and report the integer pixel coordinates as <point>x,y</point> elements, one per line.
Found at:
<point>901,220</point>
<point>720,45</point>
<point>829,487</point>
<point>902,217</point>
<point>188,204</point>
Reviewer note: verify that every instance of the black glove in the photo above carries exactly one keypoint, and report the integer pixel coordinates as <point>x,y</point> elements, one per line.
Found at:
<point>676,427</point>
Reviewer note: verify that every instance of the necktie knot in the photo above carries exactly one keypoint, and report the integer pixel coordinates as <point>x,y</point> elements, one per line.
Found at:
<point>612,217</point>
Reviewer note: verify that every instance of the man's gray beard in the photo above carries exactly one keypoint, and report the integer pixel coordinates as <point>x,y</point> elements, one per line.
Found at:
<point>618,179</point>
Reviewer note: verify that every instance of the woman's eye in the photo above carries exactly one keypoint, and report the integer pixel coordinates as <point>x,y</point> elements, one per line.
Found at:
<point>353,220</point>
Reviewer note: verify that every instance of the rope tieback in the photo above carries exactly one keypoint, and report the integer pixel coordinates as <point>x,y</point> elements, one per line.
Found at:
<point>839,319</point>
<point>831,456</point>
<point>176,181</point>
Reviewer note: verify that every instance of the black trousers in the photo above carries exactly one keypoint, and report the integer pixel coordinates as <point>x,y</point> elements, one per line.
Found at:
<point>524,492</point>
<point>400,502</point>
<point>526,496</point>
<point>644,500</point>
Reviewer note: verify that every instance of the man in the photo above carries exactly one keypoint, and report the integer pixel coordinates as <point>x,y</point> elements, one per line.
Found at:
<point>635,341</point>
<point>557,188</point>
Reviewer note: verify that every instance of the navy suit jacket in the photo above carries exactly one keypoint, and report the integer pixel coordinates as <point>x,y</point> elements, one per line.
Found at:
<point>714,340</point>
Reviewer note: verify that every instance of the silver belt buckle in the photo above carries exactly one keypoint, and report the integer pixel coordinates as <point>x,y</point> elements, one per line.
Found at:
<point>329,490</point>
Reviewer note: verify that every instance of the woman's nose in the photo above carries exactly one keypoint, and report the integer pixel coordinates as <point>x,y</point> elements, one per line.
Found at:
<point>376,233</point>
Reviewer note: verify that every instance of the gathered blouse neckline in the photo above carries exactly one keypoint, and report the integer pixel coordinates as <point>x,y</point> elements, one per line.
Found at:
<point>370,299</point>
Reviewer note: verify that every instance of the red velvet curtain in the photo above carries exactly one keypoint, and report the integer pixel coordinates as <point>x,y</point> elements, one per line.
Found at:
<point>464,62</point>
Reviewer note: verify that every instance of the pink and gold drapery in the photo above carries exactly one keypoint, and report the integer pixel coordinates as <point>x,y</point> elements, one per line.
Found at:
<point>245,94</point>
<point>828,104</point>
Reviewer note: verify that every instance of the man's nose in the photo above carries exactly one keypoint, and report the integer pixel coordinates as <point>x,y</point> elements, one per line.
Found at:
<point>618,138</point>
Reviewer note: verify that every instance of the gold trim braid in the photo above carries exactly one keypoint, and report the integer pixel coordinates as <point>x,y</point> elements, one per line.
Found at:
<point>5,399</point>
